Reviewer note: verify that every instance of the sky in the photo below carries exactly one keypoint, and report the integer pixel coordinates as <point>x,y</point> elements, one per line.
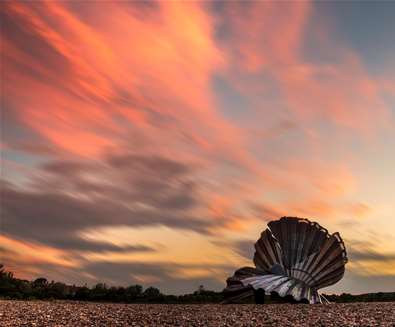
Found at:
<point>151,142</point>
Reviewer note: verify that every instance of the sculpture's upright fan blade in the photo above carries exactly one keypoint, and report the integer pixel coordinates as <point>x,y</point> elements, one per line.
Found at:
<point>295,257</point>
<point>267,252</point>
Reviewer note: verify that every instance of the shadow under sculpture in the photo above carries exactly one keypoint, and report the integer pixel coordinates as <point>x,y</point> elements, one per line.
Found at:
<point>293,259</point>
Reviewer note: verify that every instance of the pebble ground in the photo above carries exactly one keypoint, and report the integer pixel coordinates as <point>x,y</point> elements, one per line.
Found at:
<point>61,313</point>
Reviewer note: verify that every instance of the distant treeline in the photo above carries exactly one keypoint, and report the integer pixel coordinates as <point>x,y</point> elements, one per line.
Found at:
<point>368,297</point>
<point>41,289</point>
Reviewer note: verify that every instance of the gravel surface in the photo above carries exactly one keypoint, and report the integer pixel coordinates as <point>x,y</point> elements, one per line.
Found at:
<point>60,313</point>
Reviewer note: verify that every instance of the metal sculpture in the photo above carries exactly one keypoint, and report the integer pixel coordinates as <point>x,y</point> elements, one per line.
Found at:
<point>293,258</point>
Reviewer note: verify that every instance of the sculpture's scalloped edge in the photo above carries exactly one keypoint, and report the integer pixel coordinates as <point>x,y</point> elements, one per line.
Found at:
<point>314,223</point>
<point>314,296</point>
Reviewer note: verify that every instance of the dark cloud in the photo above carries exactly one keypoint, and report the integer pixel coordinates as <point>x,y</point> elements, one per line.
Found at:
<point>139,9</point>
<point>41,61</point>
<point>151,180</point>
<point>46,217</point>
<point>245,248</point>
<point>75,243</point>
<point>153,164</point>
<point>167,277</point>
<point>32,148</point>
<point>68,197</point>
<point>357,283</point>
<point>5,251</point>
<point>366,254</point>
<point>121,273</point>
<point>65,168</point>
<point>265,212</point>
<point>40,52</point>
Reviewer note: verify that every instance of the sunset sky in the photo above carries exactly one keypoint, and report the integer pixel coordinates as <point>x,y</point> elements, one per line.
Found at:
<point>151,142</point>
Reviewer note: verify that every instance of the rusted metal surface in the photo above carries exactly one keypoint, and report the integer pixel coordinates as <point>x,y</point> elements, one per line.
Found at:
<point>293,257</point>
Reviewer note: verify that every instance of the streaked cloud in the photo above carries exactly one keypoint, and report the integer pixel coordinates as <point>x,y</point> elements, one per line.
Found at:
<point>193,121</point>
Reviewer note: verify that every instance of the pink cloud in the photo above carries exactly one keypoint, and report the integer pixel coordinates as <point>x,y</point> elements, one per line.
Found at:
<point>99,80</point>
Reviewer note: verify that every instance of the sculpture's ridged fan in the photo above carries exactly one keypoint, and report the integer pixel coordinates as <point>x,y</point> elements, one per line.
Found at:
<point>294,256</point>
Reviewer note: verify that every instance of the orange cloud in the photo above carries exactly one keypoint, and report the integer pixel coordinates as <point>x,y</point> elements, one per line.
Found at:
<point>26,258</point>
<point>158,75</point>
<point>359,209</point>
<point>265,34</point>
<point>339,93</point>
<point>267,38</point>
<point>107,78</point>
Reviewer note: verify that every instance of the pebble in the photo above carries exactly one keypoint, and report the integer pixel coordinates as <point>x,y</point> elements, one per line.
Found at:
<point>64,313</point>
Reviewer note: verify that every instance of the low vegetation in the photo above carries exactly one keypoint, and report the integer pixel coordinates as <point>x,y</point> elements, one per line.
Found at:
<point>42,289</point>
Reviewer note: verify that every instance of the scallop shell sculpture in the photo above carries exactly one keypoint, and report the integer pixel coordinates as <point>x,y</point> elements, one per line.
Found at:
<point>293,257</point>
